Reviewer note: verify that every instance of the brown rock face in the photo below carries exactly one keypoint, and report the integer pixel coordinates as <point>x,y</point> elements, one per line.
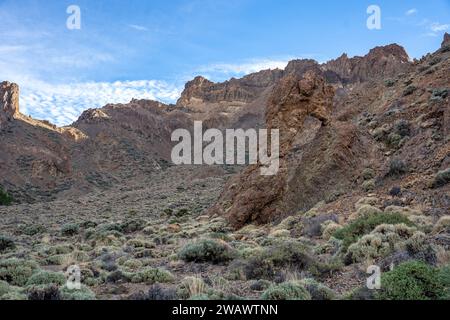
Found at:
<point>9,101</point>
<point>446,41</point>
<point>383,61</point>
<point>254,198</point>
<point>200,90</point>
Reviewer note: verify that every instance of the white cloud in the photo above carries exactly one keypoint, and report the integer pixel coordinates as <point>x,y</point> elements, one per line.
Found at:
<point>62,104</point>
<point>138,27</point>
<point>10,49</point>
<point>438,27</point>
<point>434,28</point>
<point>410,12</point>
<point>245,68</point>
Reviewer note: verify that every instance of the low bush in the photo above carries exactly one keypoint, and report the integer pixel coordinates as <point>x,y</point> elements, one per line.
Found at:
<point>152,275</point>
<point>439,94</point>
<point>286,291</point>
<point>47,277</point>
<point>317,290</point>
<point>207,250</point>
<point>368,173</point>
<point>384,240</point>
<point>369,185</point>
<point>6,243</point>
<point>281,254</point>
<point>84,293</point>
<point>397,168</point>
<point>43,292</point>
<point>356,229</point>
<point>441,179</point>
<point>191,287</point>
<point>5,198</point>
<point>411,281</point>
<point>32,229</point>
<point>70,229</point>
<point>444,279</point>
<point>17,271</point>
<point>409,90</point>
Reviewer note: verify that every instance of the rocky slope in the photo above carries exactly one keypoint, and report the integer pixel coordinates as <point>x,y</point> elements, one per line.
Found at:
<point>328,139</point>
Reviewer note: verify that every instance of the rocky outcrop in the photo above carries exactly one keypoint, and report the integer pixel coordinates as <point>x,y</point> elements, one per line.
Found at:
<point>385,61</point>
<point>200,90</point>
<point>446,41</point>
<point>9,101</point>
<point>251,197</point>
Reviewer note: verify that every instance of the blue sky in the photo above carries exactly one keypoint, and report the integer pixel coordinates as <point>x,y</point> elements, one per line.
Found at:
<point>148,49</point>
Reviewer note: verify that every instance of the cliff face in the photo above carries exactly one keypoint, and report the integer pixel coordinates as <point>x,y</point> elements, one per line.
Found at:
<point>201,91</point>
<point>380,62</point>
<point>9,102</point>
<point>330,138</point>
<point>252,197</point>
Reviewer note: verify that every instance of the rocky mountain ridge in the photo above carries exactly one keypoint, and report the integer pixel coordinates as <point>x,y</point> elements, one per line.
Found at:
<point>109,145</point>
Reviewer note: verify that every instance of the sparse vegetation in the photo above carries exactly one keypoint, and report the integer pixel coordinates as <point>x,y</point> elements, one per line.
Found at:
<point>152,275</point>
<point>286,291</point>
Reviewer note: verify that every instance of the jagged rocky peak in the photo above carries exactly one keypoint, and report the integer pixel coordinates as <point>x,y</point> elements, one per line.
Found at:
<point>383,61</point>
<point>446,41</point>
<point>244,90</point>
<point>299,67</point>
<point>92,115</point>
<point>9,101</point>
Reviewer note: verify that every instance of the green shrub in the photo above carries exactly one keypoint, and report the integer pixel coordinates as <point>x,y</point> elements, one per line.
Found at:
<point>47,277</point>
<point>369,185</point>
<point>43,292</point>
<point>282,253</point>
<point>84,293</point>
<point>152,275</point>
<point>14,295</point>
<point>439,94</point>
<point>4,287</point>
<point>5,198</point>
<point>17,271</point>
<point>409,90</point>
<point>365,224</point>
<point>6,243</point>
<point>32,229</point>
<point>368,174</point>
<point>384,240</point>
<point>286,291</point>
<point>389,83</point>
<point>207,250</point>
<point>317,290</point>
<point>411,281</point>
<point>58,249</point>
<point>397,167</point>
<point>441,179</point>
<point>133,225</point>
<point>70,229</point>
<point>444,279</point>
